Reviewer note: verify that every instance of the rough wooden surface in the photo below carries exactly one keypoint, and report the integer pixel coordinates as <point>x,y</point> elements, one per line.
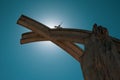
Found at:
<point>101,60</point>
<point>45,33</point>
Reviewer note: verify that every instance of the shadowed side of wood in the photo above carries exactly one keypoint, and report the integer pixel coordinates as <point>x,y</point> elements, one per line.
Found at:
<point>101,60</point>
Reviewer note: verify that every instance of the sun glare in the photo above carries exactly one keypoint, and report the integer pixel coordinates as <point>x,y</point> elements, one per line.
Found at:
<point>47,46</point>
<point>51,23</point>
<point>50,20</point>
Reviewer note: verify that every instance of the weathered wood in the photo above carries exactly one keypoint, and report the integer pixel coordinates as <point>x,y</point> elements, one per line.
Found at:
<point>101,60</point>
<point>61,44</point>
<point>33,37</point>
<point>74,35</point>
<point>66,34</point>
<point>44,31</point>
<point>117,43</point>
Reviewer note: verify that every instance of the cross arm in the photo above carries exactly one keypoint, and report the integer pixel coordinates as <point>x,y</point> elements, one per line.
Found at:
<point>44,31</point>
<point>33,37</point>
<point>73,35</point>
<point>71,47</point>
<point>65,46</point>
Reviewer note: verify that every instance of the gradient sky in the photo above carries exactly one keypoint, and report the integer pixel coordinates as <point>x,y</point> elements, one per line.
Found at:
<point>45,60</point>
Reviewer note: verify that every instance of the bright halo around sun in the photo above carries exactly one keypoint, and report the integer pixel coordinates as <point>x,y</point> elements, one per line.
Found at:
<point>51,23</point>
<point>47,46</point>
<point>50,20</point>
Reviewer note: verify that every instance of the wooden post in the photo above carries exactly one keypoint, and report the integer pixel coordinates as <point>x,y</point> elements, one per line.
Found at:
<point>101,60</point>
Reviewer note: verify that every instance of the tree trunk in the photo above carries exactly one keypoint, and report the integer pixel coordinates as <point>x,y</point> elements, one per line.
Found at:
<point>101,60</point>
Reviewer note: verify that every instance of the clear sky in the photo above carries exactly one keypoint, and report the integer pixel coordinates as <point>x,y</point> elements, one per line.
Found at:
<point>45,60</point>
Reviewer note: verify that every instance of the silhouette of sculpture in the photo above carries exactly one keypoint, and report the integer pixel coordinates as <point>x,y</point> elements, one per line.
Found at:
<point>99,61</point>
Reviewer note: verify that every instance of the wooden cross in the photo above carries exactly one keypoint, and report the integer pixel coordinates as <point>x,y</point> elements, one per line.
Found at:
<point>101,58</point>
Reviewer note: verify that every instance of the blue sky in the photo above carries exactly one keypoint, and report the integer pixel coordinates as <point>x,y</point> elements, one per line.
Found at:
<point>45,60</point>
